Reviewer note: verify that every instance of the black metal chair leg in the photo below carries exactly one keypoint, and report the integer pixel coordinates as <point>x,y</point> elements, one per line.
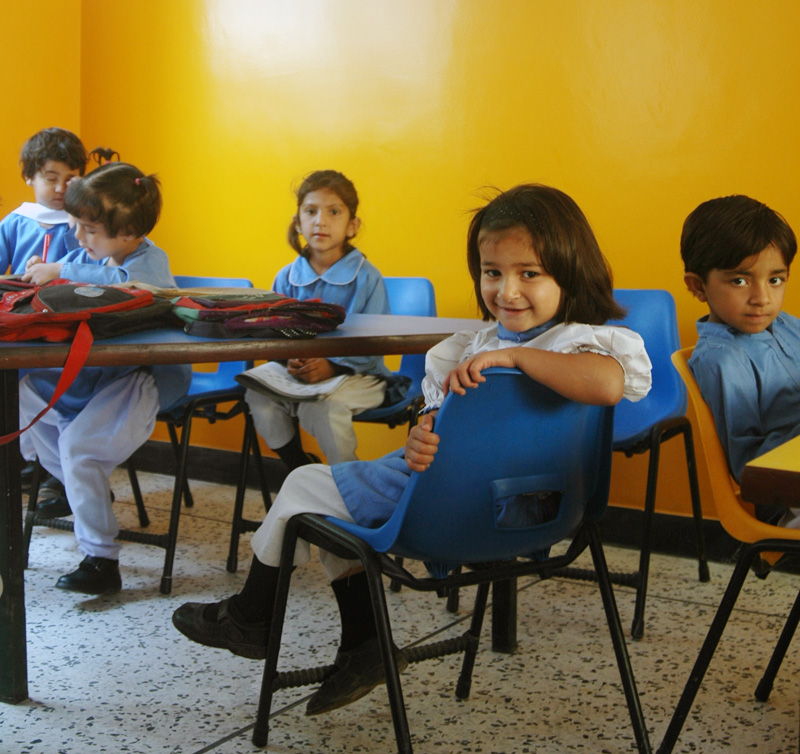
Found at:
<point>176,449</point>
<point>697,511</point>
<point>238,505</point>
<point>30,512</point>
<point>261,727</point>
<point>133,478</point>
<point>637,626</point>
<point>765,684</point>
<point>707,650</point>
<point>175,511</point>
<point>255,448</point>
<point>464,684</point>
<point>393,688</point>
<point>618,640</point>
<point>504,616</point>
<point>453,596</point>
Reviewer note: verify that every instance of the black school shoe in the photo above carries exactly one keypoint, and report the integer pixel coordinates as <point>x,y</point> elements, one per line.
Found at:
<point>358,671</point>
<point>53,501</point>
<point>224,631</point>
<point>54,507</point>
<point>93,576</point>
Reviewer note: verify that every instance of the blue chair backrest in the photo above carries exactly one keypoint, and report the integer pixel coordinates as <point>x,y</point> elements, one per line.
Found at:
<point>652,314</point>
<point>223,377</point>
<point>412,297</point>
<point>504,440</point>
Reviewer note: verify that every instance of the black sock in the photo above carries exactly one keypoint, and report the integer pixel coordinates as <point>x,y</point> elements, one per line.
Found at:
<point>355,610</point>
<point>254,603</point>
<point>292,454</point>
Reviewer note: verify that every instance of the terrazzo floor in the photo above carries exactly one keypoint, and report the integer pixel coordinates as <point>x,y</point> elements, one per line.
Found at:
<point>111,674</point>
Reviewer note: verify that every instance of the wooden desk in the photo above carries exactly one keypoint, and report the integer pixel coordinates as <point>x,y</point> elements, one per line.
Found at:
<point>774,478</point>
<point>361,334</point>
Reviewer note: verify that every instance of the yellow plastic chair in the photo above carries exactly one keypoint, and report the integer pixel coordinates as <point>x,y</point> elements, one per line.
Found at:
<point>738,519</point>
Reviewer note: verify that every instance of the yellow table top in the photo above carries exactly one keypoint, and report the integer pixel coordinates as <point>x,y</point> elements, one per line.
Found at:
<point>785,457</point>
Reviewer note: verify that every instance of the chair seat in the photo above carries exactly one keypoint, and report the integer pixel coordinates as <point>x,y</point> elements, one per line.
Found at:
<point>397,412</point>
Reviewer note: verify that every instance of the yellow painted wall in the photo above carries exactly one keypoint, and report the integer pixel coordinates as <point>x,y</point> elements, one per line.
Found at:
<point>639,110</point>
<point>39,82</point>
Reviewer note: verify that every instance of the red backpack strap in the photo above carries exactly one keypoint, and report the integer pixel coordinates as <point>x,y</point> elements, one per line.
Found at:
<point>76,358</point>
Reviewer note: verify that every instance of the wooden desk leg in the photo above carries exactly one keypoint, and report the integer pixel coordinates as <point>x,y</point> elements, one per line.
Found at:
<point>13,655</point>
<point>504,616</point>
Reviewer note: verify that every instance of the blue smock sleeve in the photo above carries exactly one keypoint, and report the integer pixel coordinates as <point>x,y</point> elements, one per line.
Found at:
<point>730,387</point>
<point>375,301</point>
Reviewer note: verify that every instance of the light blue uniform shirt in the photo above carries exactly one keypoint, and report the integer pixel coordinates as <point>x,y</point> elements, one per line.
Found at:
<point>22,237</point>
<point>148,264</point>
<point>751,383</point>
<point>352,283</point>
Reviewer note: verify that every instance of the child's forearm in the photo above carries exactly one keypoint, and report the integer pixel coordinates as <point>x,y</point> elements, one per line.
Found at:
<point>584,377</point>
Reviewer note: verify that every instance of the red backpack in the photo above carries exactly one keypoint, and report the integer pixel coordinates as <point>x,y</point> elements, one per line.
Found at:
<point>63,310</point>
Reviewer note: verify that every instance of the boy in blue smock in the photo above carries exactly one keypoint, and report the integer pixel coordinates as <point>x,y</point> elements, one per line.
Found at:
<point>108,412</point>
<point>49,159</point>
<point>736,253</point>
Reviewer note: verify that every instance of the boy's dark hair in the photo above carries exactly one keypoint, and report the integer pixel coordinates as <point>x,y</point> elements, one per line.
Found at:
<point>565,243</point>
<point>323,179</point>
<point>722,232</point>
<point>55,144</point>
<point>118,195</point>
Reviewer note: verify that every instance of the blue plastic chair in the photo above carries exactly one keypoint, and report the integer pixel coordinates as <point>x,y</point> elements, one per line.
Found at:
<point>213,396</point>
<point>643,426</point>
<point>504,446</point>
<point>409,297</point>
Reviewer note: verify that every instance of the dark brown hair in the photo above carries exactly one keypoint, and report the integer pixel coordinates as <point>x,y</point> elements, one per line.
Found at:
<point>565,243</point>
<point>55,144</point>
<point>323,179</point>
<point>722,232</point>
<point>118,195</point>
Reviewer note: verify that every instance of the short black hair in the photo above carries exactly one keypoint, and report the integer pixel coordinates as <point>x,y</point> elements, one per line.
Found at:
<point>722,232</point>
<point>55,144</point>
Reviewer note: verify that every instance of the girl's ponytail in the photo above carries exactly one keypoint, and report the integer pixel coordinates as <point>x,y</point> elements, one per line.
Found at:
<point>293,237</point>
<point>119,196</point>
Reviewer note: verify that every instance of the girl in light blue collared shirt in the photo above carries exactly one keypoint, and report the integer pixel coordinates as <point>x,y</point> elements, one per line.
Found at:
<point>331,269</point>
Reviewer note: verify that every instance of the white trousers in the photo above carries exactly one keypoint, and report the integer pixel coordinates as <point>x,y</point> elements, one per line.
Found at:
<point>329,420</point>
<point>309,489</point>
<point>83,451</point>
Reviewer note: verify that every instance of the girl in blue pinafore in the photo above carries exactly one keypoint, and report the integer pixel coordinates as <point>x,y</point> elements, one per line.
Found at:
<point>331,269</point>
<point>539,273</point>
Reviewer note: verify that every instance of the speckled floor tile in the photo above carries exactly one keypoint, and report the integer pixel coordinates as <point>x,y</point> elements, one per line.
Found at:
<point>110,674</point>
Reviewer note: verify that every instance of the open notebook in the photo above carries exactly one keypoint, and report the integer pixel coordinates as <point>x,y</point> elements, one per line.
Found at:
<point>274,380</point>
